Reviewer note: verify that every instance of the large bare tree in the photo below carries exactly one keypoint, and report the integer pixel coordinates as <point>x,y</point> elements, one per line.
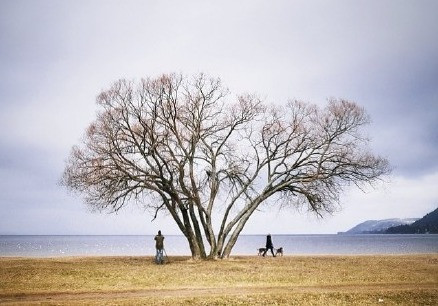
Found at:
<point>186,146</point>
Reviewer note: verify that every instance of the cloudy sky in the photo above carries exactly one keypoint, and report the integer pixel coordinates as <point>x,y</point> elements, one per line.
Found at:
<point>56,56</point>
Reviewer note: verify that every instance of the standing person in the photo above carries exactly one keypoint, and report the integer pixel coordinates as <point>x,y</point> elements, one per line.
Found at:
<point>269,245</point>
<point>159,246</point>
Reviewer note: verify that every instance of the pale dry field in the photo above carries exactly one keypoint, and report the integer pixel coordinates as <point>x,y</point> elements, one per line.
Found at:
<point>288,280</point>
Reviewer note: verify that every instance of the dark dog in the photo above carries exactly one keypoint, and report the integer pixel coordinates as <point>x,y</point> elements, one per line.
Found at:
<point>279,251</point>
<point>261,251</point>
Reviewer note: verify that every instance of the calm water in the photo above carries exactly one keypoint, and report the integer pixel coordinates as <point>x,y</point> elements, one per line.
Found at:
<point>47,246</point>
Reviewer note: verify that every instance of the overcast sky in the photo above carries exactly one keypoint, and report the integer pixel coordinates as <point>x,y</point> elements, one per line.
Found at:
<point>56,56</point>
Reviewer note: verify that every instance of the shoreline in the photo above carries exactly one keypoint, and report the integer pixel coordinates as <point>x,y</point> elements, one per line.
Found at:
<point>295,245</point>
<point>218,259</point>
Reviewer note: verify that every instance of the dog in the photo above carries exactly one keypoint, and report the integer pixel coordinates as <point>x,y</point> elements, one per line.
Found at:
<point>261,251</point>
<point>279,251</point>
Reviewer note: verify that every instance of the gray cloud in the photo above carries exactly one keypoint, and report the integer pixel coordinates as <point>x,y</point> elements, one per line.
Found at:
<point>56,56</point>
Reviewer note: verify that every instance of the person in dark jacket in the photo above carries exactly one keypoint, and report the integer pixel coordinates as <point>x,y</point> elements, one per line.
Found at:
<point>269,245</point>
<point>159,246</point>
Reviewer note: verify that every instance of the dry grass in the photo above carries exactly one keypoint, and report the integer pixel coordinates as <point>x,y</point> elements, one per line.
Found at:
<point>291,280</point>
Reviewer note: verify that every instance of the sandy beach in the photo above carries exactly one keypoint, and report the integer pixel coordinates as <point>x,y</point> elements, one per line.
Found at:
<point>240,280</point>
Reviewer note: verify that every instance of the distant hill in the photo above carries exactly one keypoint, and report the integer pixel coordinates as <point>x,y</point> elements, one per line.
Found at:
<point>426,225</point>
<point>379,226</point>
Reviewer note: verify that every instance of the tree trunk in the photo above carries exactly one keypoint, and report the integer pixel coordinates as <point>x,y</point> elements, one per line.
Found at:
<point>190,235</point>
<point>235,234</point>
<point>233,239</point>
<point>198,234</point>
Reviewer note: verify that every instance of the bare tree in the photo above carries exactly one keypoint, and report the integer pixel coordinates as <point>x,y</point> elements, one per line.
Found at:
<point>182,145</point>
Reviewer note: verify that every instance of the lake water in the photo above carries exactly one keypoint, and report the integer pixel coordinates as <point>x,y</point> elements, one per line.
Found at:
<point>50,246</point>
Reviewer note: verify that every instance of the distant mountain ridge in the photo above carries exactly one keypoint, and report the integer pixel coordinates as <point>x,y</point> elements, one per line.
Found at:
<point>374,226</point>
<point>426,225</point>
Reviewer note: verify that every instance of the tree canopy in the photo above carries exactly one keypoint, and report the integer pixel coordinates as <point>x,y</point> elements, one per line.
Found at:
<point>185,145</point>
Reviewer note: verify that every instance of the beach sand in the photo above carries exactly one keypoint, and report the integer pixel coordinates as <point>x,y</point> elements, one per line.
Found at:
<point>240,280</point>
